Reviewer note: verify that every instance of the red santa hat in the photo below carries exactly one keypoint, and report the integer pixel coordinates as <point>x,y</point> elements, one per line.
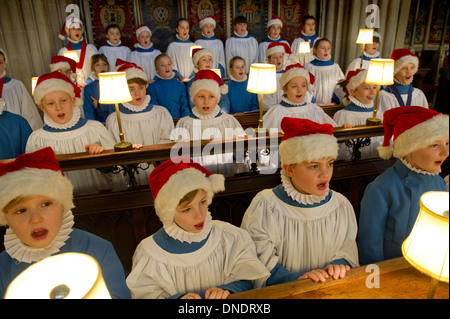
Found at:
<point>353,80</point>
<point>198,53</point>
<point>208,80</point>
<point>296,70</point>
<point>69,23</point>
<point>140,28</point>
<point>132,70</point>
<point>306,141</point>
<point>55,81</point>
<point>58,61</point>
<point>275,20</point>
<point>170,181</point>
<point>278,47</point>
<point>412,128</point>
<point>208,19</point>
<point>32,174</point>
<point>403,57</point>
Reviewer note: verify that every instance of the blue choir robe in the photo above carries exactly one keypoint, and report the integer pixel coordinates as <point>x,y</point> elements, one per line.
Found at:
<point>241,100</point>
<point>90,112</point>
<point>14,133</point>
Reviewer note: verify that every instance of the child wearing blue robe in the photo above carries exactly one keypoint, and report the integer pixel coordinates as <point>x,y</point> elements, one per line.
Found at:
<point>241,100</point>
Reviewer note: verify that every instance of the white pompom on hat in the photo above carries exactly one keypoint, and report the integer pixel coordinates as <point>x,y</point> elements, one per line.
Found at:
<point>412,128</point>
<point>297,70</point>
<point>55,81</point>
<point>32,174</point>
<point>305,141</point>
<point>208,80</point>
<point>208,19</point>
<point>275,20</point>
<point>132,70</point>
<point>403,57</point>
<point>172,180</point>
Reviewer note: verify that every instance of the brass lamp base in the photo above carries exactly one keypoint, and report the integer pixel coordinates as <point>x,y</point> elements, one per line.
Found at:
<point>373,121</point>
<point>261,130</point>
<point>123,146</point>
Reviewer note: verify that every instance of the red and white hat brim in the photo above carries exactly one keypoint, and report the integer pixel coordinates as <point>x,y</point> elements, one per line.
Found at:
<point>308,148</point>
<point>207,85</point>
<point>207,20</point>
<point>53,85</point>
<point>400,63</point>
<point>296,72</point>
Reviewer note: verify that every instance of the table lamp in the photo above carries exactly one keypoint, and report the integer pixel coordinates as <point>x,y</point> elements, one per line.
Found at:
<point>218,72</point>
<point>114,90</point>
<point>64,276</point>
<point>74,56</point>
<point>426,248</point>
<point>33,83</point>
<point>193,47</point>
<point>302,50</point>
<point>262,79</point>
<point>381,72</point>
<point>365,36</point>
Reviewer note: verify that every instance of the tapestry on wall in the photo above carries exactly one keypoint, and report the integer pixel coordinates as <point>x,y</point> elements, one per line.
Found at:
<point>199,9</point>
<point>105,12</point>
<point>256,13</point>
<point>291,13</point>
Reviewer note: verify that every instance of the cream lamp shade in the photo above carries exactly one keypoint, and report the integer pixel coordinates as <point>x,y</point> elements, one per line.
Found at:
<point>71,55</point>
<point>218,72</point>
<point>365,36</point>
<point>381,72</point>
<point>426,248</point>
<point>304,47</point>
<point>262,78</point>
<point>64,276</point>
<point>193,47</point>
<point>113,88</point>
<point>33,83</point>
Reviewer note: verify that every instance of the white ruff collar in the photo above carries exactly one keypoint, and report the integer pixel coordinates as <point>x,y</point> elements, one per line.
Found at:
<point>375,55</point>
<point>398,82</point>
<point>236,80</point>
<point>178,233</point>
<point>171,76</point>
<point>296,195</point>
<point>211,115</point>
<point>73,41</point>
<point>360,104</point>
<point>309,35</point>
<point>285,99</point>
<point>114,45</point>
<point>178,37</point>
<point>139,108</point>
<point>212,35</point>
<point>145,48</point>
<point>74,120</point>
<point>279,37</point>
<point>418,170</point>
<point>24,253</point>
<point>241,36</point>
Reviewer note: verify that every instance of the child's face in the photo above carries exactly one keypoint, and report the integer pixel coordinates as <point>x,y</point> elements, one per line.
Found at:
<point>323,50</point>
<point>113,36</point>
<point>406,74</point>
<point>240,28</point>
<point>36,220</point>
<point>58,105</point>
<point>274,31</point>
<point>309,27</point>
<point>144,39</point>
<point>164,67</point>
<point>238,69</point>
<point>311,178</point>
<point>205,102</point>
<point>430,158</point>
<point>2,63</point>
<point>205,62</point>
<point>208,29</point>
<point>371,48</point>
<point>138,93</point>
<point>183,30</point>
<point>277,59</point>
<point>100,67</point>
<point>76,32</point>
<point>191,216</point>
<point>365,93</point>
<point>295,89</point>
<point>66,71</point>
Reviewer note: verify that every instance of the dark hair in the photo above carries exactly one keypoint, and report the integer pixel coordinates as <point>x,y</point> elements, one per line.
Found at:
<point>307,17</point>
<point>137,81</point>
<point>112,26</point>
<point>318,41</point>
<point>97,57</point>
<point>181,20</point>
<point>234,59</point>
<point>240,19</point>
<point>376,39</point>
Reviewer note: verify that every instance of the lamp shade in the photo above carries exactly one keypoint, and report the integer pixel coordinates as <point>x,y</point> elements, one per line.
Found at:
<point>304,47</point>
<point>380,72</point>
<point>365,36</point>
<point>33,83</point>
<point>64,276</point>
<point>113,88</point>
<point>218,72</point>
<point>262,78</point>
<point>426,248</point>
<point>71,55</point>
<point>193,47</point>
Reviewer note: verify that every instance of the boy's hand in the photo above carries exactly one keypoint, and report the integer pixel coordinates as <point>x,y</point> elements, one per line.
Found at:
<point>94,149</point>
<point>191,295</point>
<point>216,293</point>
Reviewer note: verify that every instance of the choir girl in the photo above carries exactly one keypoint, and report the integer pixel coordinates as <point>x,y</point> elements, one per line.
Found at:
<point>274,27</point>
<point>16,97</point>
<point>143,123</point>
<point>301,228</point>
<point>391,203</point>
<point>73,28</point>
<point>166,90</point>
<point>402,92</point>
<point>114,49</point>
<point>180,50</point>
<point>145,54</point>
<point>36,200</point>
<point>295,82</point>
<point>192,256</point>
<point>241,100</point>
<point>66,132</point>
<point>209,41</point>
<point>326,72</point>
<point>241,44</point>
<point>308,35</point>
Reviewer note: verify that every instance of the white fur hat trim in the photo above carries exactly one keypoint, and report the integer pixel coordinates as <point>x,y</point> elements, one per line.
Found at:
<point>208,85</point>
<point>142,29</point>
<point>296,72</point>
<point>308,148</point>
<point>207,20</point>
<point>275,49</point>
<point>356,81</point>
<point>53,85</point>
<point>197,56</point>
<point>133,73</point>
<point>400,63</point>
